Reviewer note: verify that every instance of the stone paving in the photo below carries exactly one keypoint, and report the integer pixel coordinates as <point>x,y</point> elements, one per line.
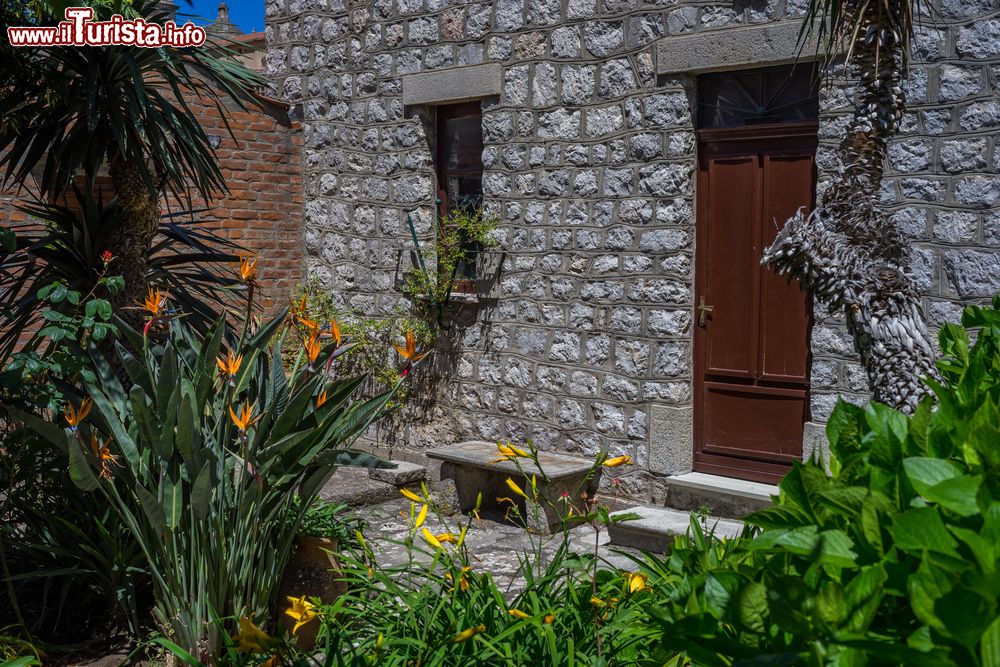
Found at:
<point>495,547</point>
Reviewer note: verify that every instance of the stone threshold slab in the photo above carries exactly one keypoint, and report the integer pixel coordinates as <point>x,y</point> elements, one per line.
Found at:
<point>756,492</point>
<point>655,529</point>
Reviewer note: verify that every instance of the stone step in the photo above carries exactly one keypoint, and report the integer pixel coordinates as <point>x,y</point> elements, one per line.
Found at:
<point>655,529</point>
<point>718,495</point>
<point>405,473</point>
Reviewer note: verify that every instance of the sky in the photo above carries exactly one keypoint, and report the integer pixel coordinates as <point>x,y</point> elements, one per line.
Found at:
<point>248,15</point>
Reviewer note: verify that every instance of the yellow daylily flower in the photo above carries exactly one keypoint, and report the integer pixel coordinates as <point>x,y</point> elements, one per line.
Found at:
<point>468,633</point>
<point>512,485</point>
<point>410,495</point>
<point>635,581</point>
<point>446,538</point>
<point>618,461</point>
<point>431,539</point>
<point>251,638</point>
<point>463,582</point>
<point>74,417</point>
<point>509,452</point>
<point>421,517</point>
<point>302,611</point>
<point>517,613</point>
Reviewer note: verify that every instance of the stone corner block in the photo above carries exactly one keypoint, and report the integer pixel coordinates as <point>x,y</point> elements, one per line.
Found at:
<point>815,444</point>
<point>671,438</point>
<point>404,473</point>
<point>455,84</point>
<point>770,44</point>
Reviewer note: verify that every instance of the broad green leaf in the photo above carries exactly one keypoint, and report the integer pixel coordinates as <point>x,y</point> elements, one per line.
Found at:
<point>965,614</point>
<point>201,493</point>
<point>152,508</point>
<point>922,529</point>
<point>863,594</point>
<point>172,492</point>
<point>924,472</point>
<point>79,468</point>
<point>957,494</point>
<point>989,649</point>
<point>751,606</point>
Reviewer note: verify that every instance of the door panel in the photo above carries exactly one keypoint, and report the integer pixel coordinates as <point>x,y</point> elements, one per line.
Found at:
<point>788,184</point>
<point>752,348</point>
<point>732,183</point>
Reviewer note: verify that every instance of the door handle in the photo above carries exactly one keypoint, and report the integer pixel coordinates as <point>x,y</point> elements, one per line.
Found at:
<point>703,309</point>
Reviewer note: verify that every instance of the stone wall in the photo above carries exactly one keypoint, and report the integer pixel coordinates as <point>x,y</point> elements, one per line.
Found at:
<point>589,162</point>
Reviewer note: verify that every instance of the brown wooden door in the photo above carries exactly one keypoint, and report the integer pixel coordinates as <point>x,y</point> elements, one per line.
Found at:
<point>752,339</point>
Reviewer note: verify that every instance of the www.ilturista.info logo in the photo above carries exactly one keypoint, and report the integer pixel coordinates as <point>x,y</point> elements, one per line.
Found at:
<point>79,29</point>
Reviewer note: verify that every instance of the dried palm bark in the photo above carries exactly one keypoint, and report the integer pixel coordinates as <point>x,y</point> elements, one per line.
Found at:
<point>847,252</point>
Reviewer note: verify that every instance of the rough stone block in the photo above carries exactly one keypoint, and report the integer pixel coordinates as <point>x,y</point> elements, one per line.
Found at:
<point>671,438</point>
<point>728,49</point>
<point>455,84</point>
<point>404,473</point>
<point>656,528</point>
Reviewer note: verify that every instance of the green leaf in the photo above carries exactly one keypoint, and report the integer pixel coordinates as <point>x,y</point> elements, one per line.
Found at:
<point>79,469</point>
<point>922,529</point>
<point>989,649</point>
<point>957,494</point>
<point>201,493</point>
<point>173,501</point>
<point>924,472</point>
<point>965,614</point>
<point>751,606</point>
<point>152,508</point>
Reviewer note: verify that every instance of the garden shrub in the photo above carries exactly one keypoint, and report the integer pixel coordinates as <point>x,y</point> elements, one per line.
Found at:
<point>201,454</point>
<point>892,560</point>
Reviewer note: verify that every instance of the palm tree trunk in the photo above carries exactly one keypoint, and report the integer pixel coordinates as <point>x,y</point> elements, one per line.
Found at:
<point>131,249</point>
<point>847,251</point>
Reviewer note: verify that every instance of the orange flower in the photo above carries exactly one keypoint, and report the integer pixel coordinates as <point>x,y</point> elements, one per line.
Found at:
<point>106,257</point>
<point>231,364</point>
<point>248,268</point>
<point>321,399</point>
<point>74,417</point>
<point>155,303</point>
<point>312,346</point>
<point>104,455</point>
<point>335,331</point>
<point>246,418</point>
<point>311,325</point>
<point>299,307</point>
<point>410,351</point>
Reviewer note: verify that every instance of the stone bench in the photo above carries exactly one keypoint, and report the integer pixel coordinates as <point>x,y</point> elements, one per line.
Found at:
<point>475,470</point>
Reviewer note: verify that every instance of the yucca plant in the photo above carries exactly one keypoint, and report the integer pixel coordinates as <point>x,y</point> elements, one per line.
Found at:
<point>70,114</point>
<point>73,246</point>
<point>202,457</point>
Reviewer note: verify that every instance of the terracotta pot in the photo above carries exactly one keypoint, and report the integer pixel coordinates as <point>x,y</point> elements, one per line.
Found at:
<point>312,571</point>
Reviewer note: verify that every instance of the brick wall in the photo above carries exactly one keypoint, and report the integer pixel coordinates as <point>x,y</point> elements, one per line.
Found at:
<point>263,209</point>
